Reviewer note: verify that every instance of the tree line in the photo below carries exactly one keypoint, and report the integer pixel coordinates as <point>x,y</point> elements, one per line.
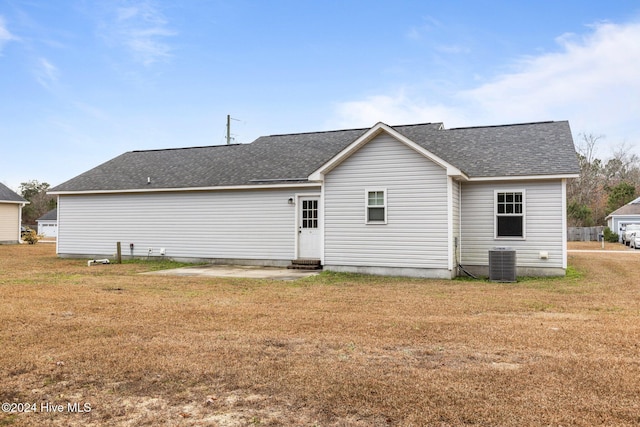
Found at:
<point>603,186</point>
<point>40,202</point>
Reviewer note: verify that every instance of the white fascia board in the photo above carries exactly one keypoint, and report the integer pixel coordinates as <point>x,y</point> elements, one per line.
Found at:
<point>376,130</point>
<point>523,177</point>
<point>174,190</point>
<point>15,202</point>
<point>624,217</point>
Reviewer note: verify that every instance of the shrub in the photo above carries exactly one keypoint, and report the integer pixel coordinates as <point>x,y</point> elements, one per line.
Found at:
<point>610,236</point>
<point>31,237</point>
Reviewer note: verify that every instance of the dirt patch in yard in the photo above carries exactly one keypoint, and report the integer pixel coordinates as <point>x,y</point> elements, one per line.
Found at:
<point>331,350</point>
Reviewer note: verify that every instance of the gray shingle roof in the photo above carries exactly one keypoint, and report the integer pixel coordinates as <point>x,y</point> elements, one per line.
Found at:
<point>544,148</point>
<point>52,215</point>
<point>631,208</point>
<point>512,150</point>
<point>8,195</point>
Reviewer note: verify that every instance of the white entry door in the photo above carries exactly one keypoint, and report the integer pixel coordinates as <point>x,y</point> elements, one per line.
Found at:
<point>308,227</point>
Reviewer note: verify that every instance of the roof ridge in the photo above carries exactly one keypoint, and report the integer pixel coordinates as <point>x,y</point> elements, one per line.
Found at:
<point>185,148</point>
<point>348,130</point>
<point>320,131</point>
<point>417,124</point>
<point>505,125</point>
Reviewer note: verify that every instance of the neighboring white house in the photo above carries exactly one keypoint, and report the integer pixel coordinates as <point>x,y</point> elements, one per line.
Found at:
<point>11,205</point>
<point>48,224</point>
<point>627,214</point>
<point>415,200</point>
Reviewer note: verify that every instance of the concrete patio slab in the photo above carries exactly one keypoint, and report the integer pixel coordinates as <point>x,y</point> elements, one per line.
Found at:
<point>240,271</point>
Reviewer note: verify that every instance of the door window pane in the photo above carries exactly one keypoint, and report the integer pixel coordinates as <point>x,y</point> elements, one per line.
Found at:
<point>309,214</point>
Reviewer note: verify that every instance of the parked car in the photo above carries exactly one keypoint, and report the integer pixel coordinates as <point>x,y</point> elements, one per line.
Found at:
<point>634,240</point>
<point>24,230</point>
<point>628,231</point>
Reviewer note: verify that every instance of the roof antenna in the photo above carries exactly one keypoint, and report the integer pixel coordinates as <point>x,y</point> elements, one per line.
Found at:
<point>229,128</point>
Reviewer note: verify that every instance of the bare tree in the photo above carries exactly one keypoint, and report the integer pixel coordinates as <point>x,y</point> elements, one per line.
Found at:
<point>39,202</point>
<point>624,166</point>
<point>586,194</point>
<point>595,193</point>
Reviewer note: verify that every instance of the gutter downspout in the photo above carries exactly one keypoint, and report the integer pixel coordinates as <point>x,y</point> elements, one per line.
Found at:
<point>22,205</point>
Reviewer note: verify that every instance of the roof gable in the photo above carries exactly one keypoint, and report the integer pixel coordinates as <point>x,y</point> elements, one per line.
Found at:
<point>371,134</point>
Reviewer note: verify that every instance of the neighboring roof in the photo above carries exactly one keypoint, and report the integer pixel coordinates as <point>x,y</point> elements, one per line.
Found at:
<point>532,149</point>
<point>8,195</point>
<point>52,215</point>
<point>631,208</point>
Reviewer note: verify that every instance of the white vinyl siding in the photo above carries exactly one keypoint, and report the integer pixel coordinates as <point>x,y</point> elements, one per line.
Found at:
<point>9,222</point>
<point>415,234</point>
<point>543,225</point>
<point>48,228</point>
<point>256,225</point>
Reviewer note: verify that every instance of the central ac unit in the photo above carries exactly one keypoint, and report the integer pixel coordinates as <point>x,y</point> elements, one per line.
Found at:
<point>502,264</point>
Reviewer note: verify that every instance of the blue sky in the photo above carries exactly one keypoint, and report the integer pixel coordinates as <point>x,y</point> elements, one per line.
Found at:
<point>83,81</point>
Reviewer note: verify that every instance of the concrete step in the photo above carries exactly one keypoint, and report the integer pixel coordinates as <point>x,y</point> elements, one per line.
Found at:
<point>305,264</point>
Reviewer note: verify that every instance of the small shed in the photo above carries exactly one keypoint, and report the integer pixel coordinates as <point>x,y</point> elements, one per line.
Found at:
<point>627,214</point>
<point>48,224</point>
<point>11,205</point>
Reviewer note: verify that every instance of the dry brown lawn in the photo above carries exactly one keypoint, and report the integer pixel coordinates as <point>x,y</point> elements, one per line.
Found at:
<point>333,350</point>
<point>598,246</point>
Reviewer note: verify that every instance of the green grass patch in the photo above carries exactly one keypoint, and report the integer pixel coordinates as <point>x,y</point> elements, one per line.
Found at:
<point>338,278</point>
<point>9,420</point>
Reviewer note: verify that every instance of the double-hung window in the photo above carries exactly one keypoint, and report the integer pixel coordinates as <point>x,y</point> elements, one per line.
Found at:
<point>376,201</point>
<point>509,214</point>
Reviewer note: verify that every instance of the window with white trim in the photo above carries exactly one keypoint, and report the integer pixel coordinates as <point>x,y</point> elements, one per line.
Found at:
<point>509,214</point>
<point>376,201</point>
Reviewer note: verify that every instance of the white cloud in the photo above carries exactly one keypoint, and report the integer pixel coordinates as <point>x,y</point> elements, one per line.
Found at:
<point>92,111</point>
<point>428,26</point>
<point>46,73</point>
<point>592,81</point>
<point>142,29</point>
<point>5,35</point>
<point>394,109</point>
